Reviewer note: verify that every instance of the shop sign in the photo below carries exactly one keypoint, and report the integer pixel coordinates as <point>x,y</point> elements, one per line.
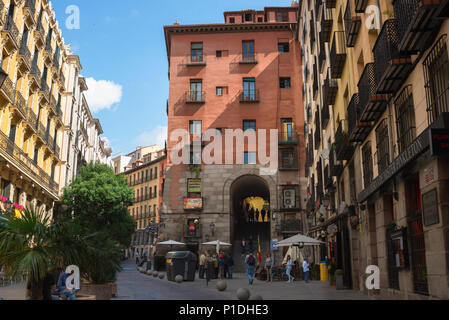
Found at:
<point>418,146</point>
<point>194,185</point>
<point>439,142</point>
<point>193,203</point>
<point>430,208</point>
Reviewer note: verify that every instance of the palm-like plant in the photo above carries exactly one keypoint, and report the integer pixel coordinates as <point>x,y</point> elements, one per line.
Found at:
<point>32,243</point>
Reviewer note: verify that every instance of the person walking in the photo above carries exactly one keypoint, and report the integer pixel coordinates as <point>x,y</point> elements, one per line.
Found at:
<point>202,265</point>
<point>268,267</point>
<point>137,257</point>
<point>250,261</point>
<point>243,246</point>
<point>305,267</point>
<point>221,266</point>
<point>230,264</point>
<point>215,260</point>
<point>289,269</point>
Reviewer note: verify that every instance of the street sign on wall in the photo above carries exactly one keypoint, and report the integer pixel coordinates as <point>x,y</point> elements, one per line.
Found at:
<point>194,185</point>
<point>439,142</point>
<point>193,203</point>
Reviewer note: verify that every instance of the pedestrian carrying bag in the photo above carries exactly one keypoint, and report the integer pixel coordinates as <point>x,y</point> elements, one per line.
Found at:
<point>251,261</point>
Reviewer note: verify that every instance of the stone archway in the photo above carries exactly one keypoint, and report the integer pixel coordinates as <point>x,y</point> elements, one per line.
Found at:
<point>242,187</point>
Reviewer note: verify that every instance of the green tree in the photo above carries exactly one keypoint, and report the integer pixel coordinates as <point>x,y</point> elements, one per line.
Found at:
<point>99,201</point>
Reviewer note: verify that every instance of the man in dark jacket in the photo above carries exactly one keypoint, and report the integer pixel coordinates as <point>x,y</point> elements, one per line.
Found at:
<point>229,264</point>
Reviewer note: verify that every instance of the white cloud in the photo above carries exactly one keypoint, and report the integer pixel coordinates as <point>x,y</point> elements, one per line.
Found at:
<point>102,94</point>
<point>156,136</point>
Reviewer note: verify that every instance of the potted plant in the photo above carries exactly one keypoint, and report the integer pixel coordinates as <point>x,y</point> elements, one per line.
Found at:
<point>339,279</point>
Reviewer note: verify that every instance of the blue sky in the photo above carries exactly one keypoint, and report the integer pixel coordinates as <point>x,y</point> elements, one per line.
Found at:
<point>121,46</point>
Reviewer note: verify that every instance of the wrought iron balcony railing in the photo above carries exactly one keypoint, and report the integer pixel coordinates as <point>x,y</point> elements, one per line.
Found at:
<point>335,167</point>
<point>195,60</point>
<point>7,89</point>
<point>326,24</point>
<point>248,58</point>
<point>288,138</point>
<point>330,89</point>
<point>391,67</point>
<point>416,22</point>
<point>328,180</point>
<point>36,75</point>
<point>195,97</point>
<point>372,105</point>
<point>14,154</point>
<point>288,159</point>
<point>338,54</point>
<point>360,6</point>
<point>249,96</point>
<point>358,131</point>
<point>13,32</point>
<point>29,9</point>
<point>25,54</point>
<point>325,115</point>
<point>45,91</point>
<point>352,25</point>
<point>331,3</point>
<point>20,104</point>
<point>321,57</point>
<point>343,147</point>
<point>32,119</point>
<point>291,226</point>
<point>41,131</point>
<point>53,104</point>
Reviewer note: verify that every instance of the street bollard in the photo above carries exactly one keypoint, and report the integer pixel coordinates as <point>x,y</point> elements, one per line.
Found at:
<point>161,276</point>
<point>243,294</point>
<point>155,274</point>
<point>221,285</point>
<point>179,278</point>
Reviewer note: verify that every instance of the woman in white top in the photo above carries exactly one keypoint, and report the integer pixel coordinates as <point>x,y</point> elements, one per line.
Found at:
<point>289,269</point>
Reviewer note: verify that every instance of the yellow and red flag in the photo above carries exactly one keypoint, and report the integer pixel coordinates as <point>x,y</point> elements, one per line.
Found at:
<point>259,255</point>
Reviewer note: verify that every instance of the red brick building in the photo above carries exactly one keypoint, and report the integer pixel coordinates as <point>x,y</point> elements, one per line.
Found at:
<point>243,74</point>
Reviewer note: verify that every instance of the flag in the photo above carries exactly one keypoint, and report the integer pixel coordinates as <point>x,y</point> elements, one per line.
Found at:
<point>259,256</point>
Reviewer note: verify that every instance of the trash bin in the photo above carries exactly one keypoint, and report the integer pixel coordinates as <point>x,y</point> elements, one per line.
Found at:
<point>181,263</point>
<point>324,271</point>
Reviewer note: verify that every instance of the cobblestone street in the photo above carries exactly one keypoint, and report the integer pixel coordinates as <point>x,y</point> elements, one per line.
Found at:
<point>133,285</point>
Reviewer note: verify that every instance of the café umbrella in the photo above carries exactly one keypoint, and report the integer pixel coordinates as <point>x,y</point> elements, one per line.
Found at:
<point>298,240</point>
<point>172,243</point>
<point>217,243</point>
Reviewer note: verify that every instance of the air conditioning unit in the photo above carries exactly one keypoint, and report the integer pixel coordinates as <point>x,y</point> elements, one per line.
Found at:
<point>289,198</point>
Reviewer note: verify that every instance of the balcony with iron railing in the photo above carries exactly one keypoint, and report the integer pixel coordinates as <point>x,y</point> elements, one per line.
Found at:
<point>32,119</point>
<point>248,58</point>
<point>196,97</point>
<point>29,10</point>
<point>338,54</point>
<point>293,226</point>
<point>57,151</point>
<point>352,25</point>
<point>50,142</point>
<point>288,138</point>
<point>195,60</point>
<point>325,116</point>
<point>249,96</point>
<point>20,104</point>
<point>22,161</point>
<point>326,24</point>
<point>416,22</point>
<point>39,34</point>
<point>328,179</point>
<point>53,104</point>
<point>45,91</point>
<point>335,167</point>
<point>35,77</point>
<point>317,130</point>
<point>331,3</point>
<point>372,105</point>
<point>41,131</point>
<point>391,67</point>
<point>358,131</point>
<point>288,160</point>
<point>7,89</point>
<point>315,82</point>
<point>330,89</point>
<point>12,32</point>
<point>343,147</point>
<point>312,32</point>
<point>25,54</point>
<point>2,7</point>
<point>321,57</point>
<point>58,110</point>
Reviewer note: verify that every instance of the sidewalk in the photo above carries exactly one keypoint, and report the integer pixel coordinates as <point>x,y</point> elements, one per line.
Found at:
<point>14,292</point>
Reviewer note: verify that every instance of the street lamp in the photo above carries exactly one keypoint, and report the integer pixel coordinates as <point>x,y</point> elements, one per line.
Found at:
<point>3,76</point>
